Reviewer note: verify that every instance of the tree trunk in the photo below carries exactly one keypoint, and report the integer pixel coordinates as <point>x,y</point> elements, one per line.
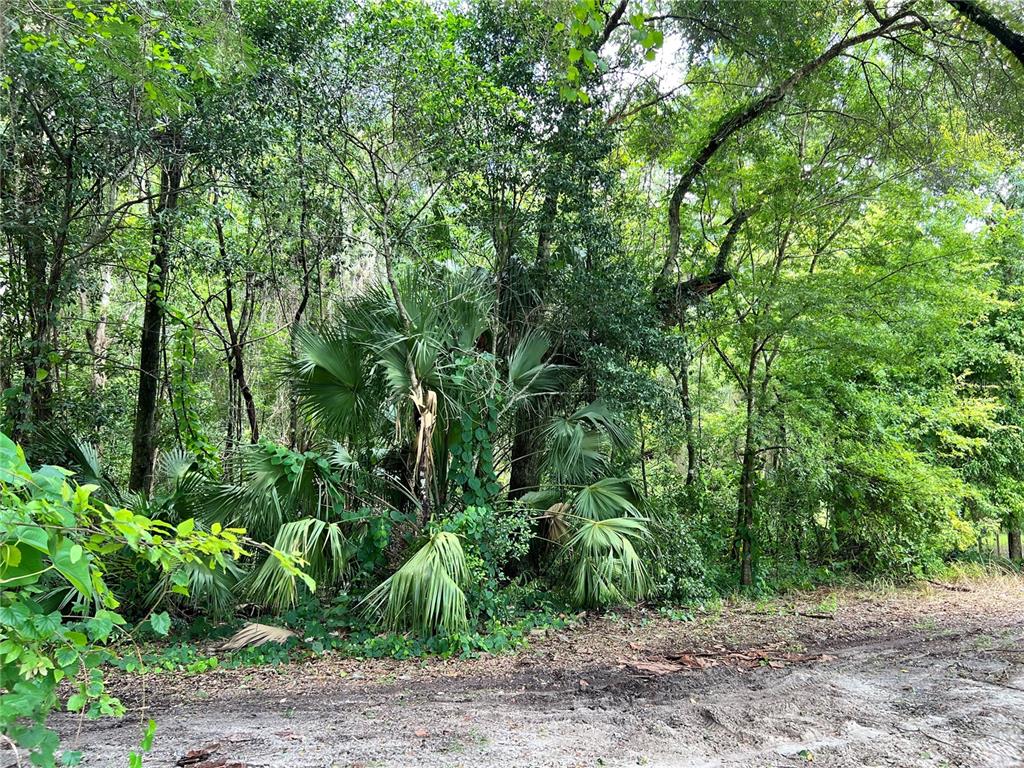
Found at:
<point>300,310</point>
<point>96,337</point>
<point>144,433</point>
<point>1013,536</point>
<point>237,361</point>
<point>687,405</point>
<point>745,512</point>
<point>40,295</point>
<point>236,333</point>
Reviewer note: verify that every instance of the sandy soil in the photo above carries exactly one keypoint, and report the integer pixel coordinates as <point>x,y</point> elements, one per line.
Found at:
<point>929,676</point>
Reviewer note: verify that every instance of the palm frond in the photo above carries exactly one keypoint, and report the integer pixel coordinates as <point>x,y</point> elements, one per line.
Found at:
<point>333,379</point>
<point>173,465</point>
<point>572,453</point>
<point>211,590</point>
<point>528,374</point>
<point>426,593</point>
<point>607,498</point>
<point>322,549</point>
<point>597,415</point>
<point>556,522</point>
<point>605,566</point>
<point>341,459</point>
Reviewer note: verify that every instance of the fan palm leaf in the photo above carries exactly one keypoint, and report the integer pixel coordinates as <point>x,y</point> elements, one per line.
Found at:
<point>605,566</point>
<point>211,590</point>
<point>573,454</point>
<point>332,373</point>
<point>426,593</point>
<point>322,549</point>
<point>528,374</point>
<point>607,498</point>
<point>598,416</point>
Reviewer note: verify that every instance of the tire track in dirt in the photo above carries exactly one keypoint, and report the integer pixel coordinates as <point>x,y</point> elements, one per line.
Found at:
<point>907,682</point>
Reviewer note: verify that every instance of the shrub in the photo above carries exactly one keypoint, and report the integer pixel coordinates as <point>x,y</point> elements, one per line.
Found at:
<point>55,537</point>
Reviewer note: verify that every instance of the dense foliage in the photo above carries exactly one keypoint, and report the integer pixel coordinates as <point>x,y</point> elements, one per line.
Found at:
<point>477,309</point>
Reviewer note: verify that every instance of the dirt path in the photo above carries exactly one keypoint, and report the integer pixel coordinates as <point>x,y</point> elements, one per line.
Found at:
<point>925,677</point>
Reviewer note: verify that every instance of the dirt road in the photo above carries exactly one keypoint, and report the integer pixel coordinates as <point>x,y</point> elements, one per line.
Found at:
<point>923,677</point>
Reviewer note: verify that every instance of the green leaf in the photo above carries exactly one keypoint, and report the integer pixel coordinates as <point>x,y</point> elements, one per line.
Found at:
<point>21,566</point>
<point>76,571</point>
<point>66,657</point>
<point>147,740</point>
<point>161,623</point>
<point>13,469</point>
<point>34,536</point>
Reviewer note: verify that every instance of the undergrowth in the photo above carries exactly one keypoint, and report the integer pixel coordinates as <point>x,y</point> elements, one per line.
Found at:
<point>340,630</point>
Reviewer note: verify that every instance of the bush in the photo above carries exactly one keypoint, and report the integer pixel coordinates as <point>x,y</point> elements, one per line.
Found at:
<point>55,540</point>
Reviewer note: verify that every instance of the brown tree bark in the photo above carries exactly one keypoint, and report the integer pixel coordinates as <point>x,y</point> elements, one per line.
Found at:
<point>96,336</point>
<point>300,310</point>
<point>687,405</point>
<point>150,342</point>
<point>1014,541</point>
<point>234,341</point>
<point>745,512</point>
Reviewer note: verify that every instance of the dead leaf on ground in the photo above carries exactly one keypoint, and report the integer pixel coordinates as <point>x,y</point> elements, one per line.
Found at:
<point>252,635</point>
<point>194,757</point>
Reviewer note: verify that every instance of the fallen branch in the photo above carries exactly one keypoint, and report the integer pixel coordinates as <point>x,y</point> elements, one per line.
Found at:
<point>950,587</point>
<point>815,615</point>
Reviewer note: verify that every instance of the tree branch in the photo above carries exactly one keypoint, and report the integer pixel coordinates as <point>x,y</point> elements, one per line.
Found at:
<point>735,122</point>
<point>999,29</point>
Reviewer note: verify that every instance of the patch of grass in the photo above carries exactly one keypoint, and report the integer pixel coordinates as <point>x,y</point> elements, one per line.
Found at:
<point>830,604</point>
<point>676,614</point>
<point>927,623</point>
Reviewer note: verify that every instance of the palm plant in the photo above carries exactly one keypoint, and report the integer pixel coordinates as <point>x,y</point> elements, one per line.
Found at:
<point>427,593</point>
<point>394,398</point>
<point>591,519</point>
<point>605,566</point>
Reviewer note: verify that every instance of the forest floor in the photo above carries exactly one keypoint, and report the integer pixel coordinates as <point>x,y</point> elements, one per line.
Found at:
<point>926,676</point>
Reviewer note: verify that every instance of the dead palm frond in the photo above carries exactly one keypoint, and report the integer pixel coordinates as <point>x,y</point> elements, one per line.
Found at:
<point>252,635</point>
